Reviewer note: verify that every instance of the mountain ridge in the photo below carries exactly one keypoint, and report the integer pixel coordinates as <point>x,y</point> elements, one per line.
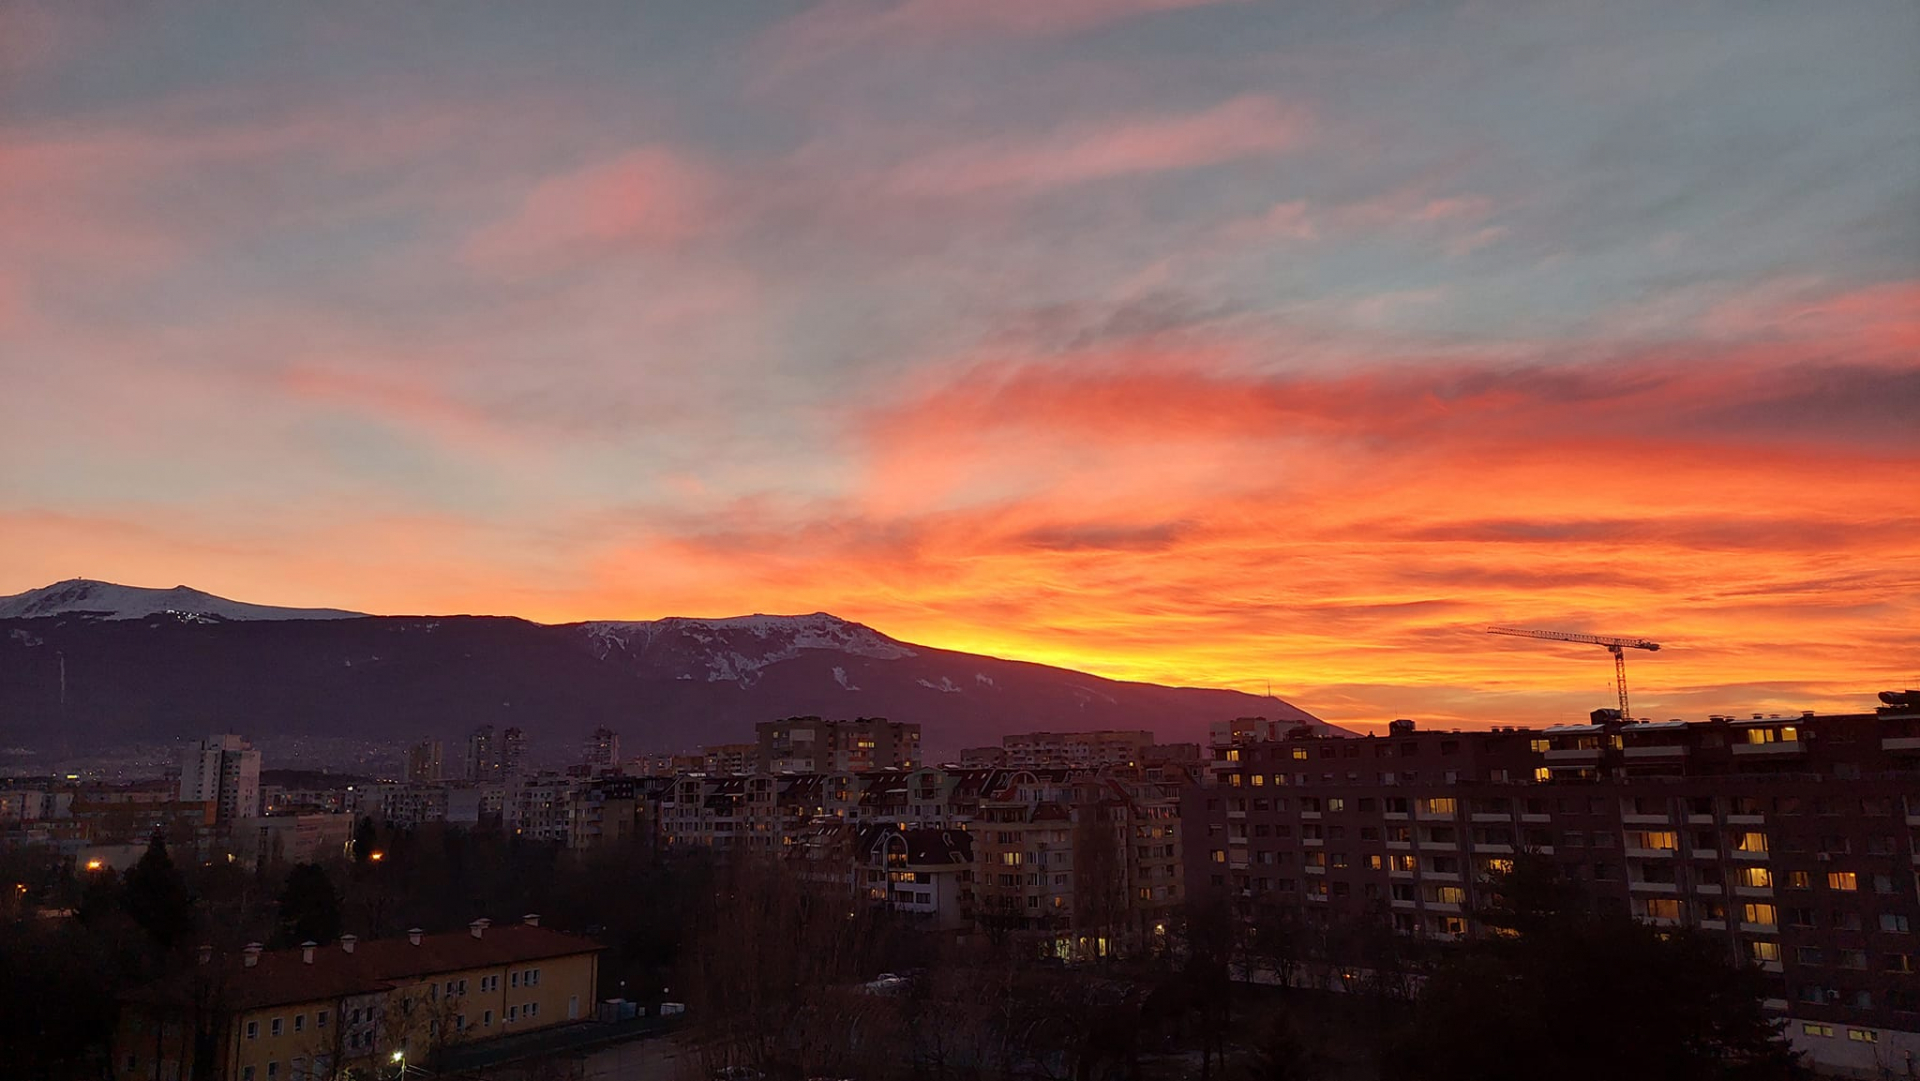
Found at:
<point>664,684</point>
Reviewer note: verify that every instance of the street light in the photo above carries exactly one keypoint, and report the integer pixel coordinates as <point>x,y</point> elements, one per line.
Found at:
<point>95,865</point>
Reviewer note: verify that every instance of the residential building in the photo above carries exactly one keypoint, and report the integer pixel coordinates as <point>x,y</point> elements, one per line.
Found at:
<point>513,751</point>
<point>222,770</point>
<point>730,758</point>
<point>612,812</point>
<point>1793,839</point>
<point>924,874</point>
<point>354,1009</point>
<point>483,754</point>
<point>601,753</point>
<point>426,761</point>
<point>298,838</point>
<point>813,745</point>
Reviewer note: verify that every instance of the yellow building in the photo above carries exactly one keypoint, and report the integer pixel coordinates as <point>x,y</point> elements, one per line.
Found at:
<point>317,1013</point>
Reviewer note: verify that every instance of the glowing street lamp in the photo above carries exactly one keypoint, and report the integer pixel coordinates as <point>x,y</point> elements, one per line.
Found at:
<point>376,856</point>
<point>95,865</point>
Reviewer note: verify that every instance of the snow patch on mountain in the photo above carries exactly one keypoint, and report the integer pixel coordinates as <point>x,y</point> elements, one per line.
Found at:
<point>105,600</point>
<point>737,648</point>
<point>945,686</point>
<point>840,677</point>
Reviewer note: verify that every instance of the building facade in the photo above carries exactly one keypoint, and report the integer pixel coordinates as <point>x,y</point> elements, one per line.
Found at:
<point>222,770</point>
<point>814,745</point>
<point>354,1009</point>
<point>1794,839</point>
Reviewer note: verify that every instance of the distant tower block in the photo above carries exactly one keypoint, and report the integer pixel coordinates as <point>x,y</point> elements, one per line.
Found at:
<point>603,751</point>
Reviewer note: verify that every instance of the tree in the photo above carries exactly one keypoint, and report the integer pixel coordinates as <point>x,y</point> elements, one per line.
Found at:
<point>365,841</point>
<point>309,907</point>
<point>1579,997</point>
<point>156,898</point>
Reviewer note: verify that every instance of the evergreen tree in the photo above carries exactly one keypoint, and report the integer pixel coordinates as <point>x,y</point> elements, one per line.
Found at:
<point>1577,997</point>
<point>156,897</point>
<point>309,907</point>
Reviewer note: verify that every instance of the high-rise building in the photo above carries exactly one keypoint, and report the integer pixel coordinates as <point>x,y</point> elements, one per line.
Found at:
<point>426,761</point>
<point>483,754</point>
<point>602,752</point>
<point>222,770</point>
<point>513,750</point>
<point>813,745</point>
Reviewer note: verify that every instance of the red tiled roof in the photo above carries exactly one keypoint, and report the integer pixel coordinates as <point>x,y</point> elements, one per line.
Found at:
<point>282,977</point>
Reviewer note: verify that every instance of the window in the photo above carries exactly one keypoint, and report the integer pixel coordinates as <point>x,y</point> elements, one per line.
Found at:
<point>1854,959</point>
<point>1375,863</point>
<point>299,1022</point>
<point>1842,880</point>
<point>1762,915</point>
<point>1336,804</point>
<point>1755,876</point>
<point>1750,842</point>
<point>486,1016</point>
<point>1665,840</point>
<point>320,1019</point>
<point>1799,880</point>
<point>1809,955</point>
<point>1895,923</point>
<point>1764,951</point>
<point>253,1029</point>
<point>1811,1029</point>
<point>513,1014</point>
<point>514,980</point>
<point>1450,895</point>
<point>1663,908</point>
<point>1863,1035</point>
<point>1441,805</point>
<point>246,1073</point>
<point>1539,746</point>
<point>273,1070</point>
<point>531,1009</point>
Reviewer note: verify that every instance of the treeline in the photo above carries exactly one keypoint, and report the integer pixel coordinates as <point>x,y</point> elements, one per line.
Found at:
<point>781,977</point>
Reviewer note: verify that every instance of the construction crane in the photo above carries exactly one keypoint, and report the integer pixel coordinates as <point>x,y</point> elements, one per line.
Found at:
<point>1615,646</point>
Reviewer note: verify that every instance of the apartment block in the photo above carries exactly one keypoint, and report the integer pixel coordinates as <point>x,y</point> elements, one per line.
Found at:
<point>427,761</point>
<point>814,745</point>
<point>224,771</point>
<point>1795,839</point>
<point>353,1009</point>
<point>1079,750</point>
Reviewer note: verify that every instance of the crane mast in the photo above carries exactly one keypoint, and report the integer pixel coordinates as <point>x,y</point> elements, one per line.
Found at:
<point>1616,646</point>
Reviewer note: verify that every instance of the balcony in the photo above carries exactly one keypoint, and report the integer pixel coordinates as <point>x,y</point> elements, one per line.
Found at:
<point>1699,820</point>
<point>1709,889</point>
<point>1536,819</point>
<point>1746,820</point>
<point>1447,908</point>
<point>1236,815</point>
<point>1900,743</point>
<point>1776,749</point>
<point>1713,925</point>
<point>1493,849</point>
<point>1656,753</point>
<point>1402,904</point>
<point>1645,820</point>
<point>1313,842</point>
<point>1754,891</point>
<point>1663,888</point>
<point>1440,876</point>
<point>1310,816</point>
<point>1493,819</point>
<point>1771,966</point>
<point>1651,853</point>
<point>1312,870</point>
<point>1740,855</point>
<point>1760,928</point>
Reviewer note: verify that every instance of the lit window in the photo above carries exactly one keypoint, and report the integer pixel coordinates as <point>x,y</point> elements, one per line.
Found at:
<point>1842,880</point>
<point>1764,950</point>
<point>1763,915</point>
<point>1663,908</point>
<point>1863,1035</point>
<point>1751,842</point>
<point>1441,805</point>
<point>1539,746</point>
<point>1542,773</point>
<point>1259,779</point>
<point>1450,895</point>
<point>1799,880</point>
<point>1755,876</point>
<point>1812,1029</point>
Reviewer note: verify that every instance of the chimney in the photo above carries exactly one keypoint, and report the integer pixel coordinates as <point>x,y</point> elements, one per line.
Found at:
<point>531,919</point>
<point>206,954</point>
<point>413,935</point>
<point>478,927</point>
<point>348,942</point>
<point>306,951</point>
<point>253,954</point>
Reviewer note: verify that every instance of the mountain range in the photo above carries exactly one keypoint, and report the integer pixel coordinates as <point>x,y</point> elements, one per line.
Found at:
<point>86,664</point>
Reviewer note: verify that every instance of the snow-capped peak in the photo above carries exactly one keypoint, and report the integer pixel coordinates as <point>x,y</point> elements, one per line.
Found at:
<point>105,600</point>
<point>736,648</point>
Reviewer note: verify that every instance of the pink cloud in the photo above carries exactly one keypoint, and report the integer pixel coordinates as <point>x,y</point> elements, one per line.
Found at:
<point>649,196</point>
<point>1252,126</point>
<point>838,25</point>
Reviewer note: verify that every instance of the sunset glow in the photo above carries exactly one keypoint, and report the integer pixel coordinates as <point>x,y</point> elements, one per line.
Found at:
<point>1170,340</point>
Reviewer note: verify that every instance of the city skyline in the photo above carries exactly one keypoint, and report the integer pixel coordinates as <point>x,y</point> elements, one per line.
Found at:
<point>1189,342</point>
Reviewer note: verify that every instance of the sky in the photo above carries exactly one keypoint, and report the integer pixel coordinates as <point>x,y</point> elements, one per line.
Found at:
<point>1194,341</point>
